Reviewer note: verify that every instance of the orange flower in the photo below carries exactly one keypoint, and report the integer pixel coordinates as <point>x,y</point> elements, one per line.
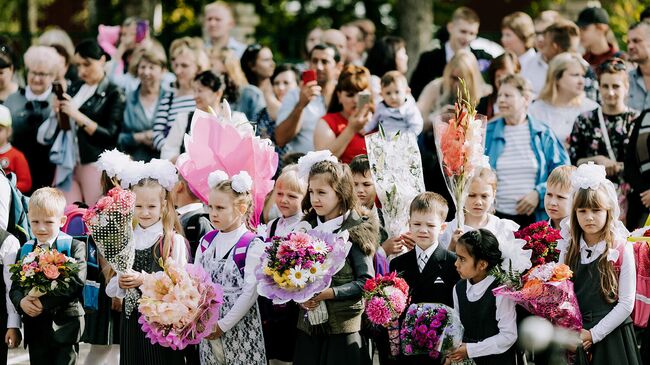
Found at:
<point>451,145</point>
<point>561,272</point>
<point>533,288</point>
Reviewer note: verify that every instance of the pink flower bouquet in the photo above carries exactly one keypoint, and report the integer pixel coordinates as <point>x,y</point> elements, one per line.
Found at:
<point>460,143</point>
<point>431,329</point>
<point>385,299</point>
<point>43,272</point>
<point>179,305</point>
<point>300,265</point>
<point>547,292</point>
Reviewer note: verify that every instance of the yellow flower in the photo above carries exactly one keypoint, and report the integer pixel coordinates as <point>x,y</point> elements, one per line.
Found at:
<point>268,271</point>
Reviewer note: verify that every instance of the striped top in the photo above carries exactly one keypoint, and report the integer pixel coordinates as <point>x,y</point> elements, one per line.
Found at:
<point>516,168</point>
<point>170,106</point>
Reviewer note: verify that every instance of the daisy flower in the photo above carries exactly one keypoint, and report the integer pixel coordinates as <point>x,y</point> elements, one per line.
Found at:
<point>298,276</point>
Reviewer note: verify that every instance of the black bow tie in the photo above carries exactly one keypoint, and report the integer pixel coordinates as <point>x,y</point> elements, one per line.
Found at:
<point>589,252</point>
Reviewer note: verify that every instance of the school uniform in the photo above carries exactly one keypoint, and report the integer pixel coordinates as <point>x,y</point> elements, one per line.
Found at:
<point>499,226</point>
<point>610,325</point>
<point>242,342</point>
<point>195,222</point>
<point>431,276</point>
<point>338,341</point>
<point>53,336</point>
<point>135,348</point>
<point>9,318</point>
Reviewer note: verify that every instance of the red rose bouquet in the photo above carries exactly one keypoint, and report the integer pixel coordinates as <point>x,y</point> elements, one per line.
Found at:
<point>542,240</point>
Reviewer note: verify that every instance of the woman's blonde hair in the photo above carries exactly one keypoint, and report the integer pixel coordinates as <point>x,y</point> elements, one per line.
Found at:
<point>153,53</point>
<point>556,68</point>
<point>190,46</point>
<point>466,66</point>
<point>594,199</point>
<point>522,25</point>
<point>169,218</point>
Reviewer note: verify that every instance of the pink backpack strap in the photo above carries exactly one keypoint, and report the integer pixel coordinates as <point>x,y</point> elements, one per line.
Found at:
<point>241,248</point>
<point>207,240</point>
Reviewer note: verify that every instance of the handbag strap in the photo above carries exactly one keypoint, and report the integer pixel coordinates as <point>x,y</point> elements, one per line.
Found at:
<point>603,129</point>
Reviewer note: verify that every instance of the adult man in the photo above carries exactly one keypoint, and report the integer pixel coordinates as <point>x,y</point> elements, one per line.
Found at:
<point>303,107</point>
<point>356,47</point>
<point>336,38</point>
<point>462,29</point>
<point>218,21</point>
<point>594,28</point>
<point>638,50</point>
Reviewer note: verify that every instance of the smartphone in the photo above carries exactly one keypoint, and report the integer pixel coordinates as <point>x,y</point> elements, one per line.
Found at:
<point>141,30</point>
<point>363,98</point>
<point>308,75</point>
<point>63,119</point>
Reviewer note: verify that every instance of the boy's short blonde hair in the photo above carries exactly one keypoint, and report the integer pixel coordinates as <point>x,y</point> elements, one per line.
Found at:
<point>290,180</point>
<point>50,201</point>
<point>561,176</point>
<point>430,202</point>
<point>466,14</point>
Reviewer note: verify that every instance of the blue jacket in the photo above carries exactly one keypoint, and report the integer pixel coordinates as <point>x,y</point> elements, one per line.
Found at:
<point>548,150</point>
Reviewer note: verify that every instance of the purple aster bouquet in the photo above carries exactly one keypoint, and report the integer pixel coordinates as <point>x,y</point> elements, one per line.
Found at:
<point>431,329</point>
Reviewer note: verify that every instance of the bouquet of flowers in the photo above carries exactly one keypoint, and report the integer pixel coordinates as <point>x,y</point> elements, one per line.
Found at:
<point>460,143</point>
<point>432,329</point>
<point>641,244</point>
<point>396,169</point>
<point>44,271</point>
<point>299,266</point>
<point>386,297</point>
<point>179,305</point>
<point>542,240</point>
<point>110,224</point>
<point>546,291</point>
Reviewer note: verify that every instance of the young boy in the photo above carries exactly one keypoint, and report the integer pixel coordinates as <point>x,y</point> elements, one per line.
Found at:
<point>9,318</point>
<point>11,159</point>
<point>429,269</point>
<point>398,111</point>
<point>191,213</point>
<point>557,200</point>
<point>53,323</point>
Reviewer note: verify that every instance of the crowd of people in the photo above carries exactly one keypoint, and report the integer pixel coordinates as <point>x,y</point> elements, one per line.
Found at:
<point>556,94</point>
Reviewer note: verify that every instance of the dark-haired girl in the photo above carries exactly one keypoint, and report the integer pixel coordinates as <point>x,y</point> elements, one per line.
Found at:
<point>490,322</point>
<point>8,85</point>
<point>208,94</point>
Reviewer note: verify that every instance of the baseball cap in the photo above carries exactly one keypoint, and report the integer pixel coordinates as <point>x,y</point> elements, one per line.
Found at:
<point>592,16</point>
<point>5,116</point>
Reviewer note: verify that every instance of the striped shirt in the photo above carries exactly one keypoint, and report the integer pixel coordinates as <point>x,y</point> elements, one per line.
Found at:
<point>170,106</point>
<point>516,168</point>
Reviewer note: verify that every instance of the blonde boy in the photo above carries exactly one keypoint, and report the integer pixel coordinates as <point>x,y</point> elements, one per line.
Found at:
<point>52,323</point>
<point>557,200</point>
<point>288,194</point>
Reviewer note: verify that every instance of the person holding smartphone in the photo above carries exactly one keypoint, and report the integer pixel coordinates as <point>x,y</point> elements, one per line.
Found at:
<point>303,107</point>
<point>340,130</point>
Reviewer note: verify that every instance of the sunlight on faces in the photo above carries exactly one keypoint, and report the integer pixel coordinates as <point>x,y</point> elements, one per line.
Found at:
<point>323,198</point>
<point>287,200</point>
<point>593,219</point>
<point>613,88</point>
<point>425,227</point>
<point>364,189</point>
<point>264,65</point>
<point>91,71</point>
<point>511,42</point>
<point>185,67</point>
<point>480,199</point>
<point>511,101</point>
<point>218,21</point>
<point>402,60</point>
<point>149,73</point>
<point>466,265</point>
<point>557,202</point>
<point>462,33</point>
<point>284,82</point>
<point>45,225</point>
<point>149,204</point>
<point>572,81</point>
<point>638,43</point>
<point>395,93</point>
<point>590,35</point>
<point>204,96</point>
<point>225,215</point>
<point>322,60</point>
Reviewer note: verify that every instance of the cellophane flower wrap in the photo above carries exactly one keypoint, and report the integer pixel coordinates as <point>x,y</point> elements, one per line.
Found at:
<point>542,240</point>
<point>179,305</point>
<point>44,271</point>
<point>640,239</point>
<point>396,168</point>
<point>110,223</point>
<point>460,144</point>
<point>430,329</point>
<point>300,265</point>
<point>385,299</point>
<point>546,291</point>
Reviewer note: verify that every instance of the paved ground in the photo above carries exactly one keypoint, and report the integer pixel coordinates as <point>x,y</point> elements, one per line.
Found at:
<point>20,356</point>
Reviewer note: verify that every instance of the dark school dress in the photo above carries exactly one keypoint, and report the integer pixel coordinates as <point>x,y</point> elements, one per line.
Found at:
<point>620,346</point>
<point>480,322</point>
<point>136,349</point>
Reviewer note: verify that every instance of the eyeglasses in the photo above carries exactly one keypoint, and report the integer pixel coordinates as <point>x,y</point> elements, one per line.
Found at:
<point>39,74</point>
<point>613,65</point>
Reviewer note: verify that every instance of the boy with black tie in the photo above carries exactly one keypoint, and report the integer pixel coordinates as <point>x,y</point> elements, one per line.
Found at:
<point>53,323</point>
<point>429,268</point>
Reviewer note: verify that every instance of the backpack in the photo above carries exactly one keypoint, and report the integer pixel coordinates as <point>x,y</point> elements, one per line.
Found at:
<point>241,247</point>
<point>74,224</point>
<point>18,224</point>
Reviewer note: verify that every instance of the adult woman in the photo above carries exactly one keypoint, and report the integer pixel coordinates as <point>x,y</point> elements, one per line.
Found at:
<point>60,40</point>
<point>563,97</point>
<point>188,60</point>
<point>285,78</point>
<point>96,107</point>
<point>242,96</point>
<point>518,35</point>
<point>258,66</point>
<point>602,135</point>
<point>127,44</point>
<point>388,54</point>
<point>8,85</point>
<point>517,137</point>
<point>208,93</point>
<point>338,131</point>
<point>30,107</point>
<point>506,64</point>
<point>136,137</point>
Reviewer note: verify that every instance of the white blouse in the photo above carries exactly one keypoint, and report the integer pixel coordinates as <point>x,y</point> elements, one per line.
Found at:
<point>506,321</point>
<point>285,225</point>
<point>496,225</point>
<point>560,118</point>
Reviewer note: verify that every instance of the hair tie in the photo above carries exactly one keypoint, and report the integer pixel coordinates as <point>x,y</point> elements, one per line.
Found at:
<point>216,177</point>
<point>306,162</point>
<point>242,182</point>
